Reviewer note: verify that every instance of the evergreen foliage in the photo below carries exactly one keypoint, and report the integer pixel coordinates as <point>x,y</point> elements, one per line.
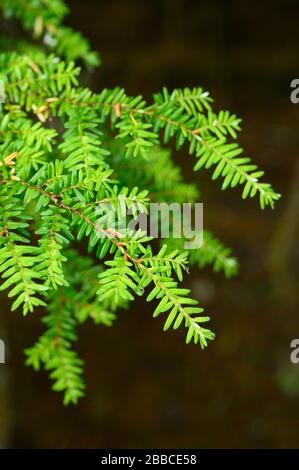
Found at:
<point>65,152</point>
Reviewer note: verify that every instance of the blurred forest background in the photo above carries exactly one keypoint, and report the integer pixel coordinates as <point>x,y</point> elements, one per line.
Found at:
<point>146,388</point>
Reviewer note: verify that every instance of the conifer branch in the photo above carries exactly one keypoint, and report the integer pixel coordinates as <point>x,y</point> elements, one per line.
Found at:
<point>67,153</point>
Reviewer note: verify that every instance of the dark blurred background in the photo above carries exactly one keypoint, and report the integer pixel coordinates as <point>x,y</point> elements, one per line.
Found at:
<point>146,388</point>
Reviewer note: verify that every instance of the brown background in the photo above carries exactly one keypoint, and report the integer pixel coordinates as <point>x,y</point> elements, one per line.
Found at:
<point>145,388</point>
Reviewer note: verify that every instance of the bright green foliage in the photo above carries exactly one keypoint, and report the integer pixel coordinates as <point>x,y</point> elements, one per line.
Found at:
<point>53,349</point>
<point>176,301</point>
<point>67,153</point>
<point>43,19</point>
<point>68,307</point>
<point>214,252</point>
<point>18,259</point>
